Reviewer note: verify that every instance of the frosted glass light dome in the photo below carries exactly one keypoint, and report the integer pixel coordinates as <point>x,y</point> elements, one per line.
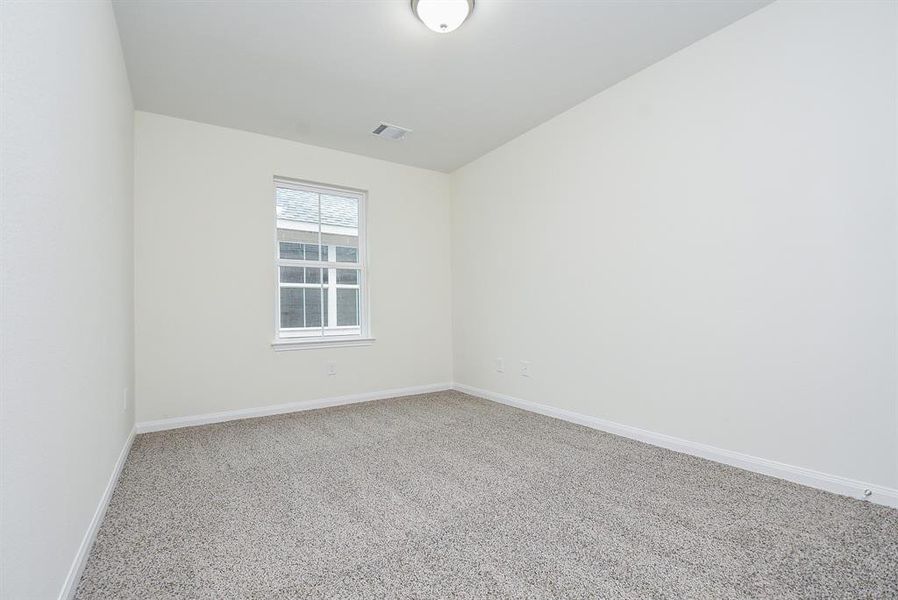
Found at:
<point>442,16</point>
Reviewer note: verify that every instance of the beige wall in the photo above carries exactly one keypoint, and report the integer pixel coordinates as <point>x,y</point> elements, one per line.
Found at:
<point>707,249</point>
<point>66,283</point>
<point>206,279</point>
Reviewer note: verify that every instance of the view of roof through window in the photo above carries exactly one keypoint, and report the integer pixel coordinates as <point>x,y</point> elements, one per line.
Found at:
<point>302,206</point>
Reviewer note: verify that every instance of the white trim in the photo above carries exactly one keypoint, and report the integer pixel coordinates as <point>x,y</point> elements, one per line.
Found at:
<point>318,264</point>
<point>302,185</point>
<point>308,343</point>
<point>277,409</point>
<point>87,542</point>
<point>824,481</point>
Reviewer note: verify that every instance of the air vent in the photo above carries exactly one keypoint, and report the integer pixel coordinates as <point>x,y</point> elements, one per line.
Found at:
<point>390,132</point>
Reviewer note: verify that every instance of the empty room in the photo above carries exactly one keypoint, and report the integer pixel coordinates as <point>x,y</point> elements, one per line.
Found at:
<point>511,299</point>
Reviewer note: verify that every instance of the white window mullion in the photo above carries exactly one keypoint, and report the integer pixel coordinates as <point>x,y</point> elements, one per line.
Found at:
<point>331,287</point>
<point>320,274</point>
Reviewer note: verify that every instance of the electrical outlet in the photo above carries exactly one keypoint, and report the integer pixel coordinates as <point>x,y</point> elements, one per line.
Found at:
<point>500,365</point>
<point>124,399</point>
<point>331,368</point>
<point>525,368</point>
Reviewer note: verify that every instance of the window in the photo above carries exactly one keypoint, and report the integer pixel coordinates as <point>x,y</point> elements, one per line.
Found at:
<point>321,273</point>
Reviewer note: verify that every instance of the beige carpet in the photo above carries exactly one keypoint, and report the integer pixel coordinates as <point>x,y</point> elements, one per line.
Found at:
<point>448,496</point>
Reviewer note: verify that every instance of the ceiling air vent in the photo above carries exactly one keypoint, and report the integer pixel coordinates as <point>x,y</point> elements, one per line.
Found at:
<point>390,132</point>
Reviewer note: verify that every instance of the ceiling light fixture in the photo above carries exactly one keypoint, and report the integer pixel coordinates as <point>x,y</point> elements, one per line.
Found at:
<point>442,16</point>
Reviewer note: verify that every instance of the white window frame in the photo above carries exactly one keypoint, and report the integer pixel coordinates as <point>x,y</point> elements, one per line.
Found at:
<point>327,335</point>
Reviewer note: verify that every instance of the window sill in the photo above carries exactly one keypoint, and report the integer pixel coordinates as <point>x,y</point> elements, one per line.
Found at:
<point>282,345</point>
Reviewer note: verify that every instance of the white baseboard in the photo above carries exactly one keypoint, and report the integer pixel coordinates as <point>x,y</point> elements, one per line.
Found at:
<point>77,568</point>
<point>824,481</point>
<point>277,409</point>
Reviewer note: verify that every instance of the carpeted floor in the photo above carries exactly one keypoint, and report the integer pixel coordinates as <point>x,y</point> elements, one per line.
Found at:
<point>448,496</point>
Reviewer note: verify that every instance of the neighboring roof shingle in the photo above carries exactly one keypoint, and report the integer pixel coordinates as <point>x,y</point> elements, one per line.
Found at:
<point>296,205</point>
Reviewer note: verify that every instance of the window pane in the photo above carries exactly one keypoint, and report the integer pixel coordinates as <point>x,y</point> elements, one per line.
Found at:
<point>292,313</point>
<point>313,306</point>
<point>347,254</point>
<point>292,250</point>
<point>301,307</point>
<point>339,211</point>
<point>314,253</point>
<point>303,275</point>
<point>293,275</point>
<point>315,275</point>
<point>297,209</point>
<point>347,307</point>
<point>347,276</point>
<point>301,212</point>
<point>340,226</point>
<point>300,251</point>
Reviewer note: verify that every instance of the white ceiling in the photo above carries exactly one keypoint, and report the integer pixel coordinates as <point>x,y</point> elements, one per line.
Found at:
<point>327,72</point>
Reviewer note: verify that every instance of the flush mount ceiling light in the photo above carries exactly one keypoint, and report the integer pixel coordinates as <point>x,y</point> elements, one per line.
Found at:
<point>442,16</point>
